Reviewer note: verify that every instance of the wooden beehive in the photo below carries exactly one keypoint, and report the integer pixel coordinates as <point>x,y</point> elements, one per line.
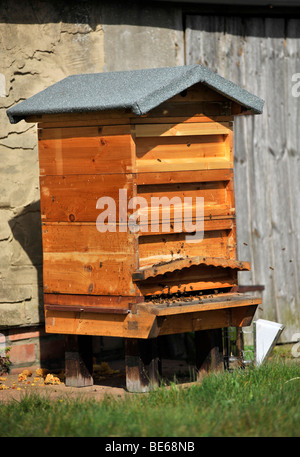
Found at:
<point>136,282</point>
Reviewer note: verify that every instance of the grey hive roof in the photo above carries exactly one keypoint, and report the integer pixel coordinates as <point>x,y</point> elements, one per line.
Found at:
<point>136,90</point>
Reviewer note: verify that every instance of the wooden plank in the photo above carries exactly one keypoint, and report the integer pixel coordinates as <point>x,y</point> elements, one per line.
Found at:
<point>209,352</point>
<point>210,224</point>
<point>81,116</point>
<point>78,361</point>
<point>113,325</point>
<point>184,176</point>
<point>74,198</point>
<point>142,364</point>
<point>159,248</point>
<point>230,192</point>
<point>178,120</point>
<point>92,300</point>
<point>144,324</point>
<point>92,133</point>
<point>88,273</point>
<point>219,301</point>
<point>174,213</point>
<point>185,190</point>
<point>182,194</point>
<point>205,320</point>
<point>170,147</point>
<point>176,219</point>
<point>184,129</point>
<point>85,238</point>
<point>80,260</point>
<point>240,347</point>
<point>108,302</point>
<point>123,117</point>
<point>167,267</point>
<point>89,121</point>
<point>86,309</point>
<point>231,242</point>
<point>228,146</point>
<point>86,150</point>
<point>183,164</point>
<point>162,226</point>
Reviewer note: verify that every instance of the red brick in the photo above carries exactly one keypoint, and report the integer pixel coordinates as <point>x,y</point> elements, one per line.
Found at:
<point>29,366</point>
<point>25,334</point>
<point>22,353</point>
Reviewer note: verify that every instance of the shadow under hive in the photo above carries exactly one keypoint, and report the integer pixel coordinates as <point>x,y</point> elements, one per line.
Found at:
<point>134,138</point>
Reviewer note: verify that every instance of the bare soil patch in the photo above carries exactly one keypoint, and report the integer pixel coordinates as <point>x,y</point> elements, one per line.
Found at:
<point>109,380</point>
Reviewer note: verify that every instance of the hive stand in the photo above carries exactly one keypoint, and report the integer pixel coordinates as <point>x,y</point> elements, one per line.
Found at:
<point>136,137</point>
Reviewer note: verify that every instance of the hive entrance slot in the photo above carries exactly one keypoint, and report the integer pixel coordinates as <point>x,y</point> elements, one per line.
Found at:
<point>186,297</point>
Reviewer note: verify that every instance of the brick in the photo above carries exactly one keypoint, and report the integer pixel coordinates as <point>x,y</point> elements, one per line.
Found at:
<point>2,344</point>
<point>25,334</point>
<point>22,353</point>
<point>18,370</point>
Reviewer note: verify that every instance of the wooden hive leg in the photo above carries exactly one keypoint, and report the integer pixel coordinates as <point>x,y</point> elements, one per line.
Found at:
<point>240,346</point>
<point>226,348</point>
<point>142,364</point>
<point>79,360</point>
<point>209,351</point>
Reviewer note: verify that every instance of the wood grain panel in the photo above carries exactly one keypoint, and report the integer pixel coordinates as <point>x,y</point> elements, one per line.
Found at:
<point>184,129</point>
<point>214,193</point>
<point>154,165</point>
<point>91,301</point>
<point>86,150</point>
<point>163,248</point>
<point>184,176</point>
<point>80,260</point>
<point>173,119</point>
<point>180,147</point>
<point>86,273</point>
<point>204,320</point>
<point>85,238</point>
<point>119,325</point>
<point>74,197</point>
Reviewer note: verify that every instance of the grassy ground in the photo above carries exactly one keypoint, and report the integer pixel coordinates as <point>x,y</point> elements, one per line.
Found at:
<point>253,402</point>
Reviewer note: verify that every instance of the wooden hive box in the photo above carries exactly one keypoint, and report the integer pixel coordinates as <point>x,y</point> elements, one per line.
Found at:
<point>114,150</point>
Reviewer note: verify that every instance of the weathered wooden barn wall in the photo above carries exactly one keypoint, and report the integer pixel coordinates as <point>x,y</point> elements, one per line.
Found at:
<point>262,54</point>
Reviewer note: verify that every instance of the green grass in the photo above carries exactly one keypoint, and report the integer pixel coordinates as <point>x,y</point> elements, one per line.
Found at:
<point>254,402</point>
